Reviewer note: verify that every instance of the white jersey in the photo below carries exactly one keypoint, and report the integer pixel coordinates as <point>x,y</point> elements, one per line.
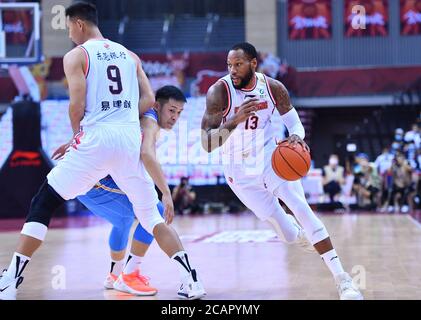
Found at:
<point>255,133</point>
<point>112,87</point>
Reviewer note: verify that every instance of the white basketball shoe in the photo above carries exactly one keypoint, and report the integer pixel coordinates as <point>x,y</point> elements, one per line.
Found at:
<point>191,288</point>
<point>346,288</point>
<point>9,286</point>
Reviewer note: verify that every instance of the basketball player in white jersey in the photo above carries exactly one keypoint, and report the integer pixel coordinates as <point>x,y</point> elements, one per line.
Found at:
<point>104,83</point>
<point>238,117</point>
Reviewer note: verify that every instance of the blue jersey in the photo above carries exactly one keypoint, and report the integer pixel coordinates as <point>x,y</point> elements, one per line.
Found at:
<point>152,114</point>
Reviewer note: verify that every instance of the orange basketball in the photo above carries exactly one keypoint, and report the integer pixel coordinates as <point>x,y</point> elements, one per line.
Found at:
<point>289,163</point>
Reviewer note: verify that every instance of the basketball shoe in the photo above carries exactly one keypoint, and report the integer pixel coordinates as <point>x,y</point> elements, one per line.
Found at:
<point>191,288</point>
<point>109,281</point>
<point>134,283</point>
<point>346,288</point>
<point>9,286</point>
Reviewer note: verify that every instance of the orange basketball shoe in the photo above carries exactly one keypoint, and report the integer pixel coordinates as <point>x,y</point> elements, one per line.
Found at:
<point>134,283</point>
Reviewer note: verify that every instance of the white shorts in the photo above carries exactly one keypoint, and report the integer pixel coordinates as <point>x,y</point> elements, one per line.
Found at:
<point>105,150</point>
<point>256,188</point>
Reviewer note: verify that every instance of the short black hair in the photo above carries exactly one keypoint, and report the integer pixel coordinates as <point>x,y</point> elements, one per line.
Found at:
<point>164,94</point>
<point>248,49</point>
<point>84,11</point>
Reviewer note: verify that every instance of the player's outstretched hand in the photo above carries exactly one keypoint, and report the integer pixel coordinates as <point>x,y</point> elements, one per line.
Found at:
<point>168,208</point>
<point>60,151</point>
<point>293,140</point>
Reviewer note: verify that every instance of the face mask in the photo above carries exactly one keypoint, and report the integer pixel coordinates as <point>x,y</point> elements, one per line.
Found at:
<point>333,161</point>
<point>398,137</point>
<point>395,146</point>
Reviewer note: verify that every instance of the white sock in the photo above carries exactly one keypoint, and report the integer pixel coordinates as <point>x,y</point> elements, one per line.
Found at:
<point>333,263</point>
<point>182,261</point>
<point>132,264</point>
<point>17,265</point>
<point>117,267</point>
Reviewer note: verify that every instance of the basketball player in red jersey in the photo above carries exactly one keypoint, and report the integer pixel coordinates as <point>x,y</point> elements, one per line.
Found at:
<point>238,118</point>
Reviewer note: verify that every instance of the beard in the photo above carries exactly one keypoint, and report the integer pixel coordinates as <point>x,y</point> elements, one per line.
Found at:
<point>245,80</point>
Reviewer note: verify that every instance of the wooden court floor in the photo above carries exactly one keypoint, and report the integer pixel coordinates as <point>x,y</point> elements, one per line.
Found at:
<point>237,257</point>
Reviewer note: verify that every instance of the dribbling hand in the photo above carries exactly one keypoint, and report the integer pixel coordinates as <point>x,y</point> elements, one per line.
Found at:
<point>293,140</point>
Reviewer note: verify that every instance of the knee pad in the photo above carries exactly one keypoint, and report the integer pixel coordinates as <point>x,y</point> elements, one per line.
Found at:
<point>149,218</point>
<point>318,235</point>
<point>141,234</point>
<point>119,237</point>
<point>43,205</point>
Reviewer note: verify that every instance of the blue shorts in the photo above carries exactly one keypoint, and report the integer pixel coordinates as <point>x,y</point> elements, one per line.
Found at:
<point>106,200</point>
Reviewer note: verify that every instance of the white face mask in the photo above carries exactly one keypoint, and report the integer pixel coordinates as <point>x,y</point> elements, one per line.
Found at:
<point>333,161</point>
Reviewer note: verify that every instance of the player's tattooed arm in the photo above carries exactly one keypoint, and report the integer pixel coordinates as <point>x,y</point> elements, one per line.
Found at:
<point>74,66</point>
<point>288,113</point>
<point>214,134</point>
<point>281,96</point>
<point>147,97</point>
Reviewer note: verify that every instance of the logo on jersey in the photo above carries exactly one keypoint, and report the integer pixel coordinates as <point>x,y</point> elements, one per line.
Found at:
<point>261,106</point>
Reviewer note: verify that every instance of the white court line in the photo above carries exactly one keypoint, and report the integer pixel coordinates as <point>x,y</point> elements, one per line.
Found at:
<point>414,221</point>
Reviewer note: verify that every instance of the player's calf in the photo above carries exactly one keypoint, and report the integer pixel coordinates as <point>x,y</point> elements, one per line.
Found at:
<point>43,205</point>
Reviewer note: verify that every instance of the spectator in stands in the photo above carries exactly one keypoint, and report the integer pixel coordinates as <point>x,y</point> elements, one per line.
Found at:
<point>414,196</point>
<point>384,161</point>
<point>367,183</point>
<point>333,177</point>
<point>184,197</point>
<point>383,165</point>
<point>398,143</point>
<point>402,180</point>
<point>413,136</point>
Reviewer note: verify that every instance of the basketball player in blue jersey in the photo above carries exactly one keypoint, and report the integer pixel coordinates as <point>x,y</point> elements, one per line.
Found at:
<point>105,82</point>
<point>238,118</point>
<point>106,200</point>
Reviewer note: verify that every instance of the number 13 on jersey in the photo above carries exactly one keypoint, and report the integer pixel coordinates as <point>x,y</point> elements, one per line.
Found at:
<point>252,122</point>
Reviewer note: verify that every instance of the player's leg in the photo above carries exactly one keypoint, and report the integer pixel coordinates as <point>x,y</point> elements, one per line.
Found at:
<point>292,194</point>
<point>144,205</point>
<point>253,193</point>
<point>117,210</point>
<point>85,166</point>
<point>140,245</point>
<point>131,280</point>
<point>110,203</point>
